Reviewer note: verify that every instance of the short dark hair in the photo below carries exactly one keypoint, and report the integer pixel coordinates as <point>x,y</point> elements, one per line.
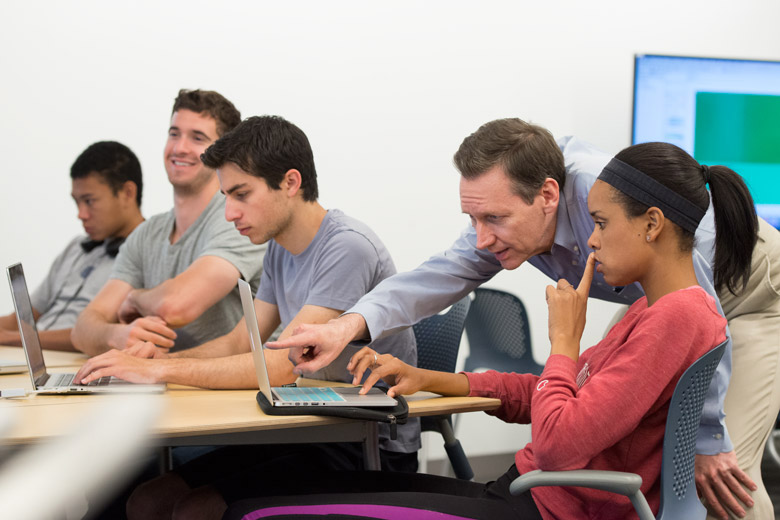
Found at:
<point>114,162</point>
<point>528,153</point>
<point>211,103</point>
<point>736,223</point>
<point>267,147</point>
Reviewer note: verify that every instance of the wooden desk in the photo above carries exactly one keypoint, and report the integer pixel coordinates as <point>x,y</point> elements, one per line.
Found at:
<point>53,358</point>
<point>194,416</point>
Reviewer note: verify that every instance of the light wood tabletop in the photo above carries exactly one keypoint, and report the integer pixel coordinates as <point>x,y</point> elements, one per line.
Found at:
<point>53,358</point>
<point>194,416</point>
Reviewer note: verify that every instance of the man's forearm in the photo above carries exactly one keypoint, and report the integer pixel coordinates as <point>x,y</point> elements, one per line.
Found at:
<point>182,299</point>
<point>158,302</point>
<point>10,338</point>
<point>57,340</point>
<point>223,346</point>
<point>406,298</point>
<point>92,333</point>
<point>233,372</point>
<point>50,339</point>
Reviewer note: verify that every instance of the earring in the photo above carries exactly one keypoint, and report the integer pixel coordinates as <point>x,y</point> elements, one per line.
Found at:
<point>648,238</point>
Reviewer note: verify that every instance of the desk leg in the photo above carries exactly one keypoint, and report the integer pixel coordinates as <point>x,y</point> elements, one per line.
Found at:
<point>371,447</point>
<point>165,461</point>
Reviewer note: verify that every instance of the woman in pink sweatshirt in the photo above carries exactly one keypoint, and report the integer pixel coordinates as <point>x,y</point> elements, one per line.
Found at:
<point>604,408</point>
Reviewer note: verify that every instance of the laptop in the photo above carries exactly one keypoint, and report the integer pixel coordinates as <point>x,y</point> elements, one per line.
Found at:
<point>42,381</point>
<point>300,396</point>
<point>8,366</point>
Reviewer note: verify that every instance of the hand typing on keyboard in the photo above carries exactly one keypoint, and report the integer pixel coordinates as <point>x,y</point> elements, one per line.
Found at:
<point>69,380</point>
<point>120,365</point>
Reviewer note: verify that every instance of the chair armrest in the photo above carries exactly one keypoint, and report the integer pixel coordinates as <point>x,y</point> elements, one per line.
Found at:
<point>614,481</point>
<point>626,484</point>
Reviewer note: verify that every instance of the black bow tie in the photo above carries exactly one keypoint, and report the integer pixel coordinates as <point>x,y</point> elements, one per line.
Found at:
<point>112,246</point>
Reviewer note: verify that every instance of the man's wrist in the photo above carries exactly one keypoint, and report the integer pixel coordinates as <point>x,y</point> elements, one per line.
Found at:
<point>114,337</point>
<point>354,327</point>
<point>181,354</point>
<point>132,299</point>
<point>162,370</point>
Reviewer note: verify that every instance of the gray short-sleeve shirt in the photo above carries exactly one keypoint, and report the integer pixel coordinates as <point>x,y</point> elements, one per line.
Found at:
<point>148,258</point>
<point>343,262</point>
<point>74,279</point>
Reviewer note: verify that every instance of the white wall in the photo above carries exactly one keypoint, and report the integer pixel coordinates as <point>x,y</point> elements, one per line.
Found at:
<point>385,92</point>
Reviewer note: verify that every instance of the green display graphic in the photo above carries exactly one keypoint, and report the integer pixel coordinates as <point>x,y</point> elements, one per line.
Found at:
<point>741,131</point>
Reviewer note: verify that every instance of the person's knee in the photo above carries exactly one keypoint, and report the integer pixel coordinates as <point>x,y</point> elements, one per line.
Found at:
<point>204,503</point>
<point>156,498</point>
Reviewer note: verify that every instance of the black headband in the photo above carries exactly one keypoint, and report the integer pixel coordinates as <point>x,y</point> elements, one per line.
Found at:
<point>649,191</point>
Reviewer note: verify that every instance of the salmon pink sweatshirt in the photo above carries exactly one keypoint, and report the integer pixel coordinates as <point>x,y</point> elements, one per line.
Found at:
<point>608,410</point>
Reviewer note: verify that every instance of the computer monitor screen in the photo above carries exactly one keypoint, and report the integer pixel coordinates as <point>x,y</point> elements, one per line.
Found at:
<point>721,111</point>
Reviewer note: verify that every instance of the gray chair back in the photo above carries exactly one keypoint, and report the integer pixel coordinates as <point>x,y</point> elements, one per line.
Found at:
<point>438,337</point>
<point>678,487</point>
<point>438,342</point>
<point>499,334</point>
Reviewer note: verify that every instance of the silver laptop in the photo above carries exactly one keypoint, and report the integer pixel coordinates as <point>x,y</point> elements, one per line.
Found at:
<point>42,381</point>
<point>8,366</point>
<point>300,396</point>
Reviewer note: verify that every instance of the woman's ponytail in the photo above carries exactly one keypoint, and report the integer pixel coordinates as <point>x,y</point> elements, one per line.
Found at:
<point>736,227</point>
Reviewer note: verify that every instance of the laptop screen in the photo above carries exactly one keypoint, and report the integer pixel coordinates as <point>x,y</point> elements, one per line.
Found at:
<point>247,302</point>
<point>26,321</point>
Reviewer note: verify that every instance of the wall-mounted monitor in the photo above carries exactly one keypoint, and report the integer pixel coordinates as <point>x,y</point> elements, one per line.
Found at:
<point>721,111</point>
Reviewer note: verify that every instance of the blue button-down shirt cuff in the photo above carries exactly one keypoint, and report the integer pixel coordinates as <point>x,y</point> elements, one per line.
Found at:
<point>712,440</point>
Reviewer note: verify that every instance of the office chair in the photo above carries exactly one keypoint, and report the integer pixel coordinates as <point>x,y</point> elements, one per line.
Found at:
<point>498,333</point>
<point>438,340</point>
<point>678,488</point>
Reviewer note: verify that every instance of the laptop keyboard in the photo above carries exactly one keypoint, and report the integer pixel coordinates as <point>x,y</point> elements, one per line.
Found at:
<point>308,394</point>
<point>67,380</point>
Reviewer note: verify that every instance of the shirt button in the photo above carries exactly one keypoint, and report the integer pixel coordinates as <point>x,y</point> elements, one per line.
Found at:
<point>718,436</point>
<point>576,249</point>
<point>574,262</point>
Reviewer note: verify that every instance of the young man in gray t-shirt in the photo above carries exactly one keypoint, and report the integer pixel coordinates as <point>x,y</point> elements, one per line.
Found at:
<point>318,264</point>
<point>106,185</point>
<point>174,281</point>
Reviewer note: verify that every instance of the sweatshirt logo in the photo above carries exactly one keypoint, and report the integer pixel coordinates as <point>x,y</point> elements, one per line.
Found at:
<point>583,375</point>
<point>541,384</point>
